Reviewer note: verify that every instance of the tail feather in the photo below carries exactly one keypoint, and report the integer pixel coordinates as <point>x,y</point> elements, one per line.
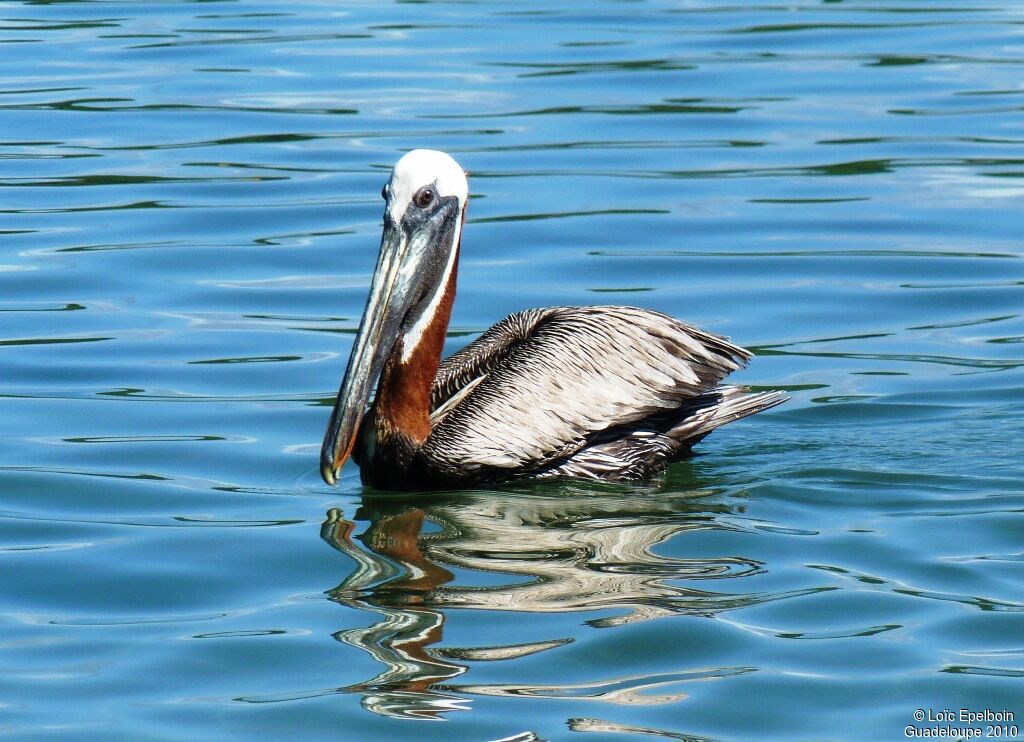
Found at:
<point>727,404</point>
<point>644,448</point>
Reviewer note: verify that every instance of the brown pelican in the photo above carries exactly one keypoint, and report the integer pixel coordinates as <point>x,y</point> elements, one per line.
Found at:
<point>594,392</point>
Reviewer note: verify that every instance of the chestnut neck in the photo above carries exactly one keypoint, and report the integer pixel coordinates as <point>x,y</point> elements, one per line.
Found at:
<point>403,394</point>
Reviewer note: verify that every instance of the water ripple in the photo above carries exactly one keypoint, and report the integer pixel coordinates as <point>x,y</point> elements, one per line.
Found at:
<point>189,196</point>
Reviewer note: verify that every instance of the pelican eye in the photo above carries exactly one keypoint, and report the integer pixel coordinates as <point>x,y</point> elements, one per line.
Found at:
<point>384,192</point>
<point>424,197</point>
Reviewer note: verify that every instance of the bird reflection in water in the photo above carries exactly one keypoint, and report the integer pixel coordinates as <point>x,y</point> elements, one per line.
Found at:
<point>564,548</point>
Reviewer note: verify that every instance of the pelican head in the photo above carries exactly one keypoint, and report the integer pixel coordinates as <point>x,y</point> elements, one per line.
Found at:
<point>425,200</point>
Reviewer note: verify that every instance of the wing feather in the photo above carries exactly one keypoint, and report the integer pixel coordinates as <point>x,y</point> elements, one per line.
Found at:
<point>545,381</point>
<point>480,356</point>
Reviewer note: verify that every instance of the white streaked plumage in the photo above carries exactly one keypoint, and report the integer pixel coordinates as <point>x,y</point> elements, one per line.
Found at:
<point>532,392</point>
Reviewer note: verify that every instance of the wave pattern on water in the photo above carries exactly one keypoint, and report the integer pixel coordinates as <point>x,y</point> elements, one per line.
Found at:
<point>188,198</point>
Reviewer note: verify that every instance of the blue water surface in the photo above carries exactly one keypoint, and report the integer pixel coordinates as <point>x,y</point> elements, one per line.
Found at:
<point>189,216</point>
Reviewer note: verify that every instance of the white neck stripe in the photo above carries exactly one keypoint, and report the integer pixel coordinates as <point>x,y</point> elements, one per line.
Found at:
<point>414,335</point>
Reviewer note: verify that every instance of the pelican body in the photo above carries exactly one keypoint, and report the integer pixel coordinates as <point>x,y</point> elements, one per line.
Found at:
<point>606,392</point>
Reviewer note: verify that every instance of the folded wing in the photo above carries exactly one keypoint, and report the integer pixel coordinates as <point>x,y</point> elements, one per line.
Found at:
<point>539,385</point>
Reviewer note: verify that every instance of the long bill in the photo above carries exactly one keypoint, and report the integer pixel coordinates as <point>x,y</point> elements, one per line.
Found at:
<point>386,308</point>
